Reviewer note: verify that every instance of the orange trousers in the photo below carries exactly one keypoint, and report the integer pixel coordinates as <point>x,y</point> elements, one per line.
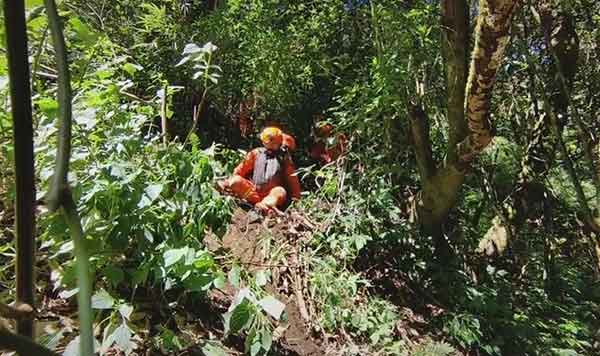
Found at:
<point>245,189</point>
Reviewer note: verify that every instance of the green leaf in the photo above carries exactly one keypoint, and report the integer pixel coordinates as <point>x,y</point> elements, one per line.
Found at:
<point>261,278</point>
<point>255,348</point>
<point>66,294</point>
<point>122,337</point>
<point>85,118</point>
<point>102,300</point>
<point>234,276</point>
<point>219,281</point>
<point>148,235</point>
<point>131,68</point>
<point>114,274</point>
<point>564,352</point>
<point>125,310</point>
<point>266,339</point>
<point>240,316</point>
<point>198,282</point>
<point>83,31</point>
<point>153,191</point>
<point>173,256</point>
<point>191,48</point>
<point>210,349</point>
<point>272,306</point>
<point>33,3</point>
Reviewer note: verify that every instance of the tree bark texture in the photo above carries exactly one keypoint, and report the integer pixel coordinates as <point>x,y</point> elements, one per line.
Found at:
<point>419,126</point>
<point>455,46</point>
<point>440,191</point>
<point>491,38</point>
<point>20,96</point>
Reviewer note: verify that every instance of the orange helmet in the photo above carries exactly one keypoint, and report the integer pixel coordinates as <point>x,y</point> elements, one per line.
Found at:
<point>323,129</point>
<point>271,135</point>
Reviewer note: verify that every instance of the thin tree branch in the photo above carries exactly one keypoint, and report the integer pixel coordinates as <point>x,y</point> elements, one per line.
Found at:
<point>60,193</point>
<point>163,114</point>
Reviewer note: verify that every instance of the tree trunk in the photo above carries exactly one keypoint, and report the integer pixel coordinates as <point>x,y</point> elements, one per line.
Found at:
<point>440,191</point>
<point>20,95</point>
<point>455,44</point>
<point>491,38</point>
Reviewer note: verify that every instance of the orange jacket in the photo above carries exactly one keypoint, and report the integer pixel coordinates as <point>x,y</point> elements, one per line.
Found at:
<point>324,153</point>
<point>286,179</point>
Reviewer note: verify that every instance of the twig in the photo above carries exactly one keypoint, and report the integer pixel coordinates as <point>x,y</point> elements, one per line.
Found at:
<point>45,75</point>
<point>258,264</point>
<point>196,115</point>
<point>163,114</point>
<point>298,291</point>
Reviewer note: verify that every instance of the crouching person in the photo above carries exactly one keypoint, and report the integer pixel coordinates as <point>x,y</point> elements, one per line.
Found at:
<point>266,177</point>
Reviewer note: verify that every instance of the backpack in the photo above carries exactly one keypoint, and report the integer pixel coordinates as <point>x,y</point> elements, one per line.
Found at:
<point>267,166</point>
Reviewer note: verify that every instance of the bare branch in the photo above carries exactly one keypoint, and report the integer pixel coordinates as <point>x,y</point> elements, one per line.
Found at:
<point>60,193</point>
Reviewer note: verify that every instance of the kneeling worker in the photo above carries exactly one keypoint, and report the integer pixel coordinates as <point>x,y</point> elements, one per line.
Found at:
<point>266,176</point>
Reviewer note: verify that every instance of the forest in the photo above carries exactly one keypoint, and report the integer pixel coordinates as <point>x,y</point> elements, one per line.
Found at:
<point>295,177</point>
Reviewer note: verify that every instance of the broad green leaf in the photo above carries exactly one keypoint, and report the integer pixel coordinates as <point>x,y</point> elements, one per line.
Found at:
<point>153,191</point>
<point>191,48</point>
<point>125,310</point>
<point>255,348</point>
<point>272,306</point>
<point>33,3</point>
<point>83,31</point>
<point>173,256</point>
<point>234,276</point>
<point>219,282</point>
<point>198,282</point>
<point>240,316</point>
<point>122,337</point>
<point>261,278</point>
<point>67,247</point>
<point>102,300</point>
<point>266,339</point>
<point>183,61</point>
<point>131,68</point>
<point>210,349</point>
<point>114,274</point>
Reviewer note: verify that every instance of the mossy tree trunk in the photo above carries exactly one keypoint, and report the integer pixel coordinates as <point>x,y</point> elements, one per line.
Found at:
<point>469,103</point>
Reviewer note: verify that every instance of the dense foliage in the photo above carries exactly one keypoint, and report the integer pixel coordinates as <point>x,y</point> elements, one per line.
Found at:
<point>377,282</point>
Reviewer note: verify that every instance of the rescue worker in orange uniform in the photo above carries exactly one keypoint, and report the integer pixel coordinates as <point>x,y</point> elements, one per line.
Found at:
<point>327,148</point>
<point>266,176</point>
